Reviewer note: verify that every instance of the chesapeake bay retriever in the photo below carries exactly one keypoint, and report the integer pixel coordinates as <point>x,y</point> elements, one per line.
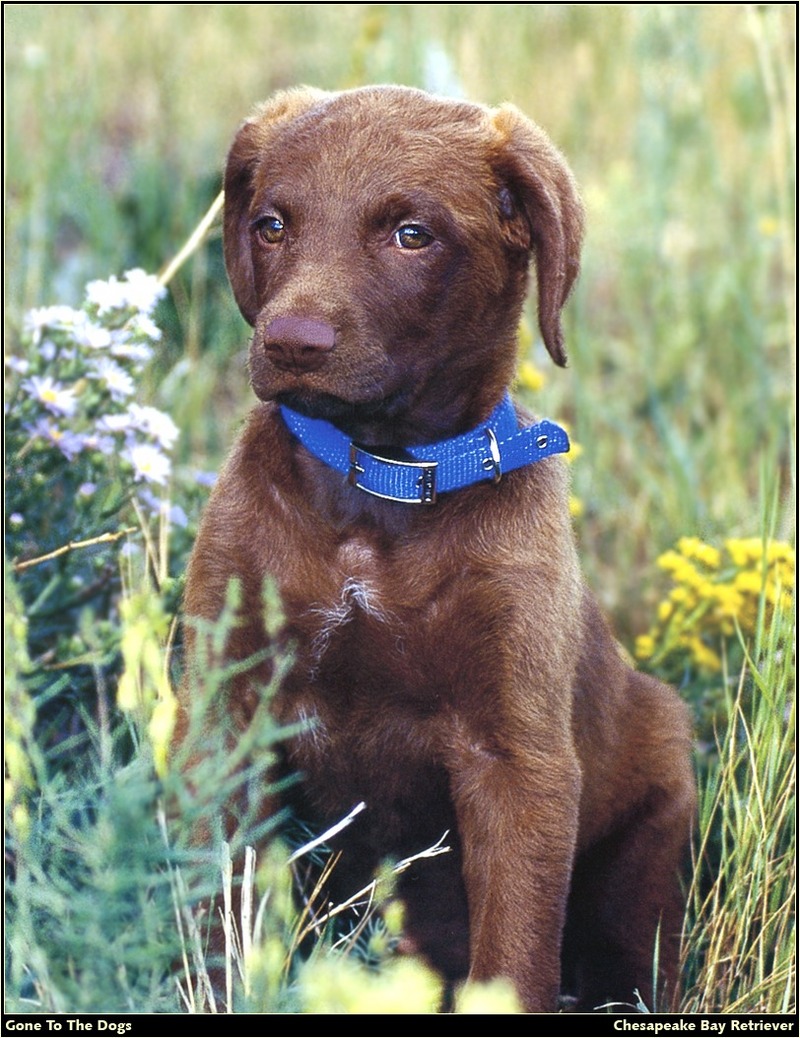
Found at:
<point>450,668</point>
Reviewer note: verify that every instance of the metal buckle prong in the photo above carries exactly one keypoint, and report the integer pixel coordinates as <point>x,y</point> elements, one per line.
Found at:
<point>493,463</point>
<point>355,468</point>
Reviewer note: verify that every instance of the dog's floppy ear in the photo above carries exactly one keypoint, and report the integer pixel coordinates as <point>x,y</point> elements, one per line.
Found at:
<point>543,212</point>
<point>244,159</point>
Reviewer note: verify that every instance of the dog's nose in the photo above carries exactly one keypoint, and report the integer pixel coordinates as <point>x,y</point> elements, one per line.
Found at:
<point>298,343</point>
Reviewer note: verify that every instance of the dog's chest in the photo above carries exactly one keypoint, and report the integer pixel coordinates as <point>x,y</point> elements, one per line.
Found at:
<point>375,667</point>
<point>365,635</point>
<point>353,596</point>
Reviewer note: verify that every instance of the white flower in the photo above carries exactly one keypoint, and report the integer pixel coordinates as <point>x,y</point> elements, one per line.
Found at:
<point>139,353</point>
<point>116,423</point>
<point>118,382</point>
<point>145,326</point>
<point>90,335</point>
<point>154,423</point>
<point>18,364</point>
<point>144,290</point>
<point>42,317</point>
<point>139,290</point>
<point>139,419</point>
<point>52,394</point>
<point>106,295</point>
<point>149,464</point>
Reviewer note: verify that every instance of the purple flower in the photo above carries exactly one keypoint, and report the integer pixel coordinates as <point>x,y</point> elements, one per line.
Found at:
<point>69,443</point>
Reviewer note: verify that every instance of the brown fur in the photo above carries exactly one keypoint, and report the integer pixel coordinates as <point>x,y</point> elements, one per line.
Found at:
<point>458,674</point>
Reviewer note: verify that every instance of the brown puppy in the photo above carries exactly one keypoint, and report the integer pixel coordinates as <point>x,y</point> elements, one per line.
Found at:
<point>455,673</point>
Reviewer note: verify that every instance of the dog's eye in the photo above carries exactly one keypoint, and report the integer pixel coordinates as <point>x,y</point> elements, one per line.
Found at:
<point>412,236</point>
<point>271,230</point>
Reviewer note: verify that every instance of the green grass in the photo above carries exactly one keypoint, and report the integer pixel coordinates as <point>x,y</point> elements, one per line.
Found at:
<point>679,122</point>
<point>741,937</point>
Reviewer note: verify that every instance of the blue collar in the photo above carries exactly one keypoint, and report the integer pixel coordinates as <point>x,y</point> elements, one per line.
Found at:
<point>415,475</point>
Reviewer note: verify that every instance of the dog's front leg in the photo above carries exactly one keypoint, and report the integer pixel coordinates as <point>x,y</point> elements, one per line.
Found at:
<point>517,815</point>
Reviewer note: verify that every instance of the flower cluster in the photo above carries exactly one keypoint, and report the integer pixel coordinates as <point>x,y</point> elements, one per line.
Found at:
<point>78,379</point>
<point>715,592</point>
<point>82,450</point>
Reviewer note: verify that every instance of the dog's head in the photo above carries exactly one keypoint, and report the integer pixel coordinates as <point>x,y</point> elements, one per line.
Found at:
<point>378,240</point>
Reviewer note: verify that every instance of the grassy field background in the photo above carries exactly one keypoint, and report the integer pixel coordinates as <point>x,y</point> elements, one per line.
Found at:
<point>678,120</point>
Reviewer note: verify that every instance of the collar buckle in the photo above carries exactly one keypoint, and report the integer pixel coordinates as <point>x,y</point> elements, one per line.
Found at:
<point>415,482</point>
<point>493,463</point>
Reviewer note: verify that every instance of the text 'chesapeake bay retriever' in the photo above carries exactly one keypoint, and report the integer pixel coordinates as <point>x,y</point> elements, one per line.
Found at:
<point>450,668</point>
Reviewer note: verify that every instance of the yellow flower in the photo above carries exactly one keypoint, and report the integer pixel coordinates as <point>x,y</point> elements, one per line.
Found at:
<point>694,548</point>
<point>745,551</point>
<point>748,582</point>
<point>709,602</point>
<point>575,451</point>
<point>768,226</point>
<point>161,726</point>
<point>684,573</point>
<point>529,376</point>
<point>144,688</point>
<point>665,611</point>
<point>338,985</point>
<point>705,658</point>
<point>682,570</point>
<point>669,560</point>
<point>780,551</point>
<point>729,599</point>
<point>705,590</point>
<point>489,997</point>
<point>21,821</point>
<point>680,596</point>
